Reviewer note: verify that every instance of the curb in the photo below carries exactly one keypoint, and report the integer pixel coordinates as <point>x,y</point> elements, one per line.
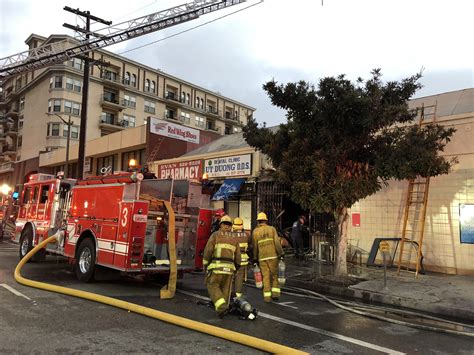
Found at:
<point>373,297</point>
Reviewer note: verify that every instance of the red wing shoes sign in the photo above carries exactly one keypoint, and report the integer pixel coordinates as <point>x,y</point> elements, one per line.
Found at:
<point>172,130</point>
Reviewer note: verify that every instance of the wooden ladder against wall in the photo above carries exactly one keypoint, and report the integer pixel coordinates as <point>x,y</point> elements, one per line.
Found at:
<point>414,217</point>
<point>151,157</point>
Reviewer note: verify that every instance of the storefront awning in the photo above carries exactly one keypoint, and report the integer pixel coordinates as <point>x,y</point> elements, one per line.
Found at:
<point>228,188</point>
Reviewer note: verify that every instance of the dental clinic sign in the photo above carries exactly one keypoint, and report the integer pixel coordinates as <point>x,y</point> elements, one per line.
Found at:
<point>171,130</point>
<point>236,165</point>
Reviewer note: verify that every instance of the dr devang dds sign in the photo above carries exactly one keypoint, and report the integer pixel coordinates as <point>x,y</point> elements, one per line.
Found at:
<point>175,131</point>
<point>236,165</point>
<point>182,170</point>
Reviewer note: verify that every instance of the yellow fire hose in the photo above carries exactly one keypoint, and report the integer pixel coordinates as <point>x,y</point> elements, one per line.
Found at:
<point>235,337</point>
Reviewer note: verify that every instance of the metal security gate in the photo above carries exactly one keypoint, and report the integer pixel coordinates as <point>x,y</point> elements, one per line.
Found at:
<point>270,200</point>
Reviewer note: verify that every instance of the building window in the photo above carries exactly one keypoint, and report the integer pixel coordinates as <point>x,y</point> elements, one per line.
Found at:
<point>227,130</point>
<point>76,109</point>
<point>128,121</point>
<point>200,122</point>
<point>188,99</point>
<point>108,117</point>
<point>20,124</point>
<point>74,132</point>
<point>105,162</point>
<point>73,85</point>
<point>197,102</point>
<point>170,114</point>
<point>54,105</point>
<point>133,80</point>
<point>76,63</point>
<point>72,107</point>
<point>138,155</point>
<point>67,106</point>
<point>126,80</point>
<point>170,95</point>
<point>53,129</point>
<point>149,106</point>
<point>129,101</point>
<point>20,141</point>
<point>65,130</point>
<point>183,96</point>
<point>22,103</point>
<point>185,117</point>
<point>152,86</point>
<point>147,85</point>
<point>56,82</point>
<point>202,104</point>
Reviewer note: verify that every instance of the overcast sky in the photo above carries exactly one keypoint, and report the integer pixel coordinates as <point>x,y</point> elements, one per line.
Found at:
<point>281,39</point>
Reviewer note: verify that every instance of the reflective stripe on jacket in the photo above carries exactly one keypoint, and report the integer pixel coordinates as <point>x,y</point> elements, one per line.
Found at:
<point>243,242</point>
<point>266,243</point>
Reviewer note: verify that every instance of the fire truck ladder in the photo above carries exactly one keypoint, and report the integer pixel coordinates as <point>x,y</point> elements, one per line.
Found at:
<point>415,213</point>
<point>61,51</point>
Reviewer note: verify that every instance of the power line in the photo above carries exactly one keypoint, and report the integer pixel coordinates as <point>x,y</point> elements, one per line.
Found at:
<point>190,29</point>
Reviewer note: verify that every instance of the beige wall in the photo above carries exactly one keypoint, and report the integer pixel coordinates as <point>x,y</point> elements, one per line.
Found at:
<point>382,213</point>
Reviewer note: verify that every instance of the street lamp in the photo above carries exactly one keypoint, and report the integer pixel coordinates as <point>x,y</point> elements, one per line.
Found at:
<point>69,123</point>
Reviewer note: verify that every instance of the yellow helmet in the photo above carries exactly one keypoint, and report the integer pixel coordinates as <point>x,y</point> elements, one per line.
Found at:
<point>238,223</point>
<point>262,217</point>
<point>225,219</point>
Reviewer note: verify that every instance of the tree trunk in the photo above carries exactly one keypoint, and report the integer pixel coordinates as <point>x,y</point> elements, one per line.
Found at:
<point>342,218</point>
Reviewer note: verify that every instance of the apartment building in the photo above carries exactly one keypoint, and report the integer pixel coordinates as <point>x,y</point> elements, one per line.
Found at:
<point>122,94</point>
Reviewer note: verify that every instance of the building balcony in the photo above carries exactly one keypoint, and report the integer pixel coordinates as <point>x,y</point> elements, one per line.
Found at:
<point>12,132</point>
<point>3,101</point>
<point>8,167</point>
<point>174,101</point>
<point>9,150</point>
<point>13,112</point>
<point>170,117</point>
<point>112,102</point>
<point>112,79</point>
<point>212,111</point>
<point>213,129</point>
<point>111,125</point>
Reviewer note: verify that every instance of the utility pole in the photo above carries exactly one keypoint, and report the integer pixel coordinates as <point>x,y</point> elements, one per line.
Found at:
<point>85,85</point>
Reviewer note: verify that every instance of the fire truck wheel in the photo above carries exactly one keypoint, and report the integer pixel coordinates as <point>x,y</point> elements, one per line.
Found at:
<point>26,242</point>
<point>85,261</point>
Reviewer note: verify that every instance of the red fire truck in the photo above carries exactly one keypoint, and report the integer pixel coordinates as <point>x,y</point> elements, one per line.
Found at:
<point>119,221</point>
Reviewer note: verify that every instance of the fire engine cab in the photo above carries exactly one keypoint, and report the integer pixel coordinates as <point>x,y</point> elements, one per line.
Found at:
<point>119,221</point>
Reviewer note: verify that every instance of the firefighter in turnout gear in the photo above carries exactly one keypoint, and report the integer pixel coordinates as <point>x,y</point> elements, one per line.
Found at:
<point>243,242</point>
<point>221,259</point>
<point>267,250</point>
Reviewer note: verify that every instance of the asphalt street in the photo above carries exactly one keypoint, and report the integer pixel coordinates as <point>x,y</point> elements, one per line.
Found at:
<point>36,321</point>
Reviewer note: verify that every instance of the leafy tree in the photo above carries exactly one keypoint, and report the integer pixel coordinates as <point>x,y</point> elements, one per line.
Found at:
<point>343,141</point>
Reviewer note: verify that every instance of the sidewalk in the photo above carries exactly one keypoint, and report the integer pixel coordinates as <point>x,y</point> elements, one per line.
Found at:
<point>440,294</point>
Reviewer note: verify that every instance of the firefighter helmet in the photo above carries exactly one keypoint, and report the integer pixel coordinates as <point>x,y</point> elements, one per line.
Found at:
<point>220,212</point>
<point>238,223</point>
<point>262,217</point>
<point>226,219</point>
